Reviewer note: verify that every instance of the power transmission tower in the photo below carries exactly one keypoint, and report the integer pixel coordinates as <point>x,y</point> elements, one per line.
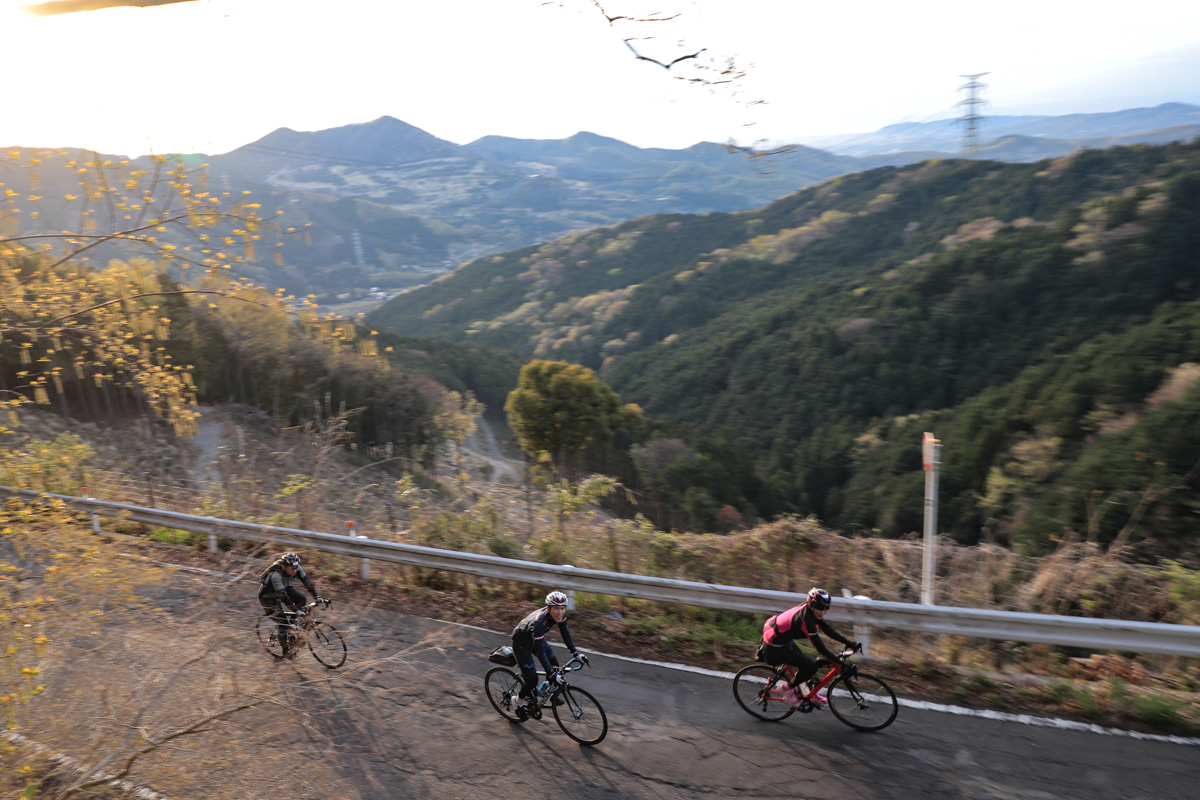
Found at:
<point>359,257</point>
<point>971,105</point>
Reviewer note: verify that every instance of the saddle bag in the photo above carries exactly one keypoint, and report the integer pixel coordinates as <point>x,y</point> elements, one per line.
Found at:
<point>504,656</point>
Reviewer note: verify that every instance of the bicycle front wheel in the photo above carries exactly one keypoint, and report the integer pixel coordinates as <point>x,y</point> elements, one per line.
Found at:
<point>327,645</point>
<point>863,701</point>
<point>580,716</point>
<point>503,688</point>
<point>762,692</point>
<point>266,629</point>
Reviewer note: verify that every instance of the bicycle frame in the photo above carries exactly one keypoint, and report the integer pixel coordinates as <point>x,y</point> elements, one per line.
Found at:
<point>306,620</point>
<point>788,672</point>
<point>543,698</point>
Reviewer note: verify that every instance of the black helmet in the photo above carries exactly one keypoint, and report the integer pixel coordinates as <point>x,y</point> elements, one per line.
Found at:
<point>819,598</point>
<point>290,560</point>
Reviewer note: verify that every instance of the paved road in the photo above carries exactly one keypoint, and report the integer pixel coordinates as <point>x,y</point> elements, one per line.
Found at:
<point>421,727</point>
<point>680,735</point>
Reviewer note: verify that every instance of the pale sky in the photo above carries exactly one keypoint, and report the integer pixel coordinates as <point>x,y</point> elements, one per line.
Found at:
<point>212,75</point>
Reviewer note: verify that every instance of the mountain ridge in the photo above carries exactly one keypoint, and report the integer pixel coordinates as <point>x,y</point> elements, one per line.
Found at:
<point>389,206</point>
<point>944,135</point>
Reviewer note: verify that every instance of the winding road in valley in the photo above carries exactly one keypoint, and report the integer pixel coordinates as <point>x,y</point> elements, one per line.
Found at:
<point>483,445</point>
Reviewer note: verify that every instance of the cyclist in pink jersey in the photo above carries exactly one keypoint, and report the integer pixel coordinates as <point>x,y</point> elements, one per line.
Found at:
<point>781,631</point>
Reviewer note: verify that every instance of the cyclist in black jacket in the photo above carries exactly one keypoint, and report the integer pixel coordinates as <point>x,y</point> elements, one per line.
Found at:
<point>275,592</point>
<point>529,639</point>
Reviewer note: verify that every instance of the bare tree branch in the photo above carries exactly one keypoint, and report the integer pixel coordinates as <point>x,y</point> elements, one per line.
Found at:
<point>752,151</point>
<point>612,19</point>
<point>641,57</point>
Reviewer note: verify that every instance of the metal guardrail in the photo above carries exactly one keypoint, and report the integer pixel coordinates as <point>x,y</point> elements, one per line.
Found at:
<point>1083,632</point>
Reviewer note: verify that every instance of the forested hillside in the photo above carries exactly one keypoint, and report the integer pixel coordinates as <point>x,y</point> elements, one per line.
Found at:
<point>1038,318</point>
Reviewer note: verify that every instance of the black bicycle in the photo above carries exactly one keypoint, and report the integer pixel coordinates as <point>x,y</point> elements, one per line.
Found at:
<point>576,711</point>
<point>860,700</point>
<point>323,640</point>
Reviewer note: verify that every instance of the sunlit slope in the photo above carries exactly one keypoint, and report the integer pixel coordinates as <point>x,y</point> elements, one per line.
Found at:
<point>874,296</point>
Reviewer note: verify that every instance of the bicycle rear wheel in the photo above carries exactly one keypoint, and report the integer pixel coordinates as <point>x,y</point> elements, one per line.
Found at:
<point>503,687</point>
<point>580,716</point>
<point>266,629</point>
<point>327,645</point>
<point>762,692</point>
<point>863,701</point>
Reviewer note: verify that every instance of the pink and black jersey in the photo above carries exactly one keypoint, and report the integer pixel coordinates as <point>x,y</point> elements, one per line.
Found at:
<point>799,622</point>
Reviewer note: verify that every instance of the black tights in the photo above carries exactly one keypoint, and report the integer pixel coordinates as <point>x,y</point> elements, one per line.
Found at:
<point>790,654</point>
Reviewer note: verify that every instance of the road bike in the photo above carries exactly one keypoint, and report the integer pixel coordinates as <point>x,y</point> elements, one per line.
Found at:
<point>576,711</point>
<point>856,698</point>
<point>298,629</point>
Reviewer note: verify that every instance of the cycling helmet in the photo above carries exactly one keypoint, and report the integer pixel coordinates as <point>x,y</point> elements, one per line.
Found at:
<point>290,560</point>
<point>819,598</point>
<point>556,599</point>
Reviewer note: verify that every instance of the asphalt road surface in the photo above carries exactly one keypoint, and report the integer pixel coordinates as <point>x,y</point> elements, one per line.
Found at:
<point>674,734</point>
<point>419,725</point>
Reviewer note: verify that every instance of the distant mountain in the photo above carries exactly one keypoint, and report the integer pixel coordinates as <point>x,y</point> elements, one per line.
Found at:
<point>1137,125</point>
<point>389,206</point>
<point>495,183</point>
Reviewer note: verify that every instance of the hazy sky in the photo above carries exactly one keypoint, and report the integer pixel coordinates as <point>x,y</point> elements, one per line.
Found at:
<point>212,75</point>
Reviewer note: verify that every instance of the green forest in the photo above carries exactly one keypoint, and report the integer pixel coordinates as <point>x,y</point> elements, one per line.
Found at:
<point>1040,319</point>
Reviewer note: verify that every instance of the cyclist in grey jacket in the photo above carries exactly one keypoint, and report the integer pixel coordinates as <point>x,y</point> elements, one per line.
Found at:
<point>275,592</point>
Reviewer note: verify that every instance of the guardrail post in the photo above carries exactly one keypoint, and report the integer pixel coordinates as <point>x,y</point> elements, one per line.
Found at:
<point>95,517</point>
<point>212,539</point>
<point>364,566</point>
<point>570,592</point>
<point>862,632</point>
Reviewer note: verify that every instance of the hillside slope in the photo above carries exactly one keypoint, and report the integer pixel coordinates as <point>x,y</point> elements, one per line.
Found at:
<point>800,328</point>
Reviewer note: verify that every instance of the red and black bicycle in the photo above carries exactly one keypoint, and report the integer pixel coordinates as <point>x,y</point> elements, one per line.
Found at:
<point>860,700</point>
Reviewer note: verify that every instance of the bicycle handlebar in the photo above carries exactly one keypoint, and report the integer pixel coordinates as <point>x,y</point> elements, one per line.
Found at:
<point>578,665</point>
<point>324,602</point>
